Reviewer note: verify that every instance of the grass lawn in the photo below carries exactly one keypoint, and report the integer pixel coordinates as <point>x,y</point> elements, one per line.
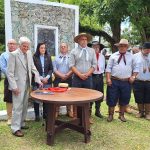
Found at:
<point>132,135</point>
<point>2,104</point>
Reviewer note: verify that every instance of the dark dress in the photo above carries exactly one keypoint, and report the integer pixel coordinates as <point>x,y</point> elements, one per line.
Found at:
<point>48,69</point>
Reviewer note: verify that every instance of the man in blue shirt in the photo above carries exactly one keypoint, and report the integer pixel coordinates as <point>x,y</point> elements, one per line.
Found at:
<point>12,46</point>
<point>63,73</point>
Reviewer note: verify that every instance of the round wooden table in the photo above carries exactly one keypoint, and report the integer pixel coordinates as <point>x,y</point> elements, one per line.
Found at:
<point>80,97</point>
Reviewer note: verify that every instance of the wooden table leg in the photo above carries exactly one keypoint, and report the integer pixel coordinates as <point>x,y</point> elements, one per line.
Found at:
<point>50,123</point>
<point>86,123</point>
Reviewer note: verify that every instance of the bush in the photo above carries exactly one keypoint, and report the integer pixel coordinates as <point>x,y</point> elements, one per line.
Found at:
<point>2,48</point>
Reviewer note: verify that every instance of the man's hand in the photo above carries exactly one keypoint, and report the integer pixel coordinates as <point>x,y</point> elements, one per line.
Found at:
<point>41,85</point>
<point>64,77</point>
<point>132,79</point>
<point>83,76</point>
<point>109,82</point>
<point>44,80</point>
<point>16,91</point>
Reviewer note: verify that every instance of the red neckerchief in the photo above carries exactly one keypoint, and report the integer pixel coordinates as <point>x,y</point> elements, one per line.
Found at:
<point>120,57</point>
<point>97,56</point>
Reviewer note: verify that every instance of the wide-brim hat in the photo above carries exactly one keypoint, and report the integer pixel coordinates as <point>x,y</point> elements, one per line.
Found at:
<point>98,43</point>
<point>146,45</point>
<point>89,37</point>
<point>122,41</point>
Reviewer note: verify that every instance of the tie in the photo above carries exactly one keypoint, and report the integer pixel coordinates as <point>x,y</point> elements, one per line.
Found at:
<point>120,57</point>
<point>26,63</point>
<point>63,59</point>
<point>97,56</point>
<point>84,51</point>
<point>25,60</point>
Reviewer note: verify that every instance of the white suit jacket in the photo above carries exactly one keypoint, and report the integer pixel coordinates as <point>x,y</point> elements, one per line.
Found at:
<point>17,70</point>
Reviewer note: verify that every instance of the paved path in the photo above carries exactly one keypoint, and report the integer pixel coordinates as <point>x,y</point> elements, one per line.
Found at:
<point>30,114</point>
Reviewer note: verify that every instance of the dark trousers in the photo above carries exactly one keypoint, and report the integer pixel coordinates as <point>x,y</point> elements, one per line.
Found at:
<point>59,80</point>
<point>36,105</point>
<point>119,90</point>
<point>77,82</point>
<point>37,112</point>
<point>98,84</point>
<point>141,90</point>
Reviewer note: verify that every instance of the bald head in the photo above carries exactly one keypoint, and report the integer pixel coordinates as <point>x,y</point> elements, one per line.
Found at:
<point>12,45</point>
<point>63,48</point>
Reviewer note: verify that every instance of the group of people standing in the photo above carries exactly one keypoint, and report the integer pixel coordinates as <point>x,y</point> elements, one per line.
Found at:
<point>83,67</point>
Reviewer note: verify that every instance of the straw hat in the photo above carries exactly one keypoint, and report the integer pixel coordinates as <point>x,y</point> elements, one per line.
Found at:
<point>89,37</point>
<point>122,41</point>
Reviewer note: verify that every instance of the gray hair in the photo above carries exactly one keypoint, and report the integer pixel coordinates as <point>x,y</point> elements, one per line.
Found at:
<point>24,40</point>
<point>12,41</point>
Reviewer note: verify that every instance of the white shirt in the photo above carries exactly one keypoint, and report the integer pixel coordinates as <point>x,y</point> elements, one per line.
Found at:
<point>101,64</point>
<point>139,59</point>
<point>121,70</point>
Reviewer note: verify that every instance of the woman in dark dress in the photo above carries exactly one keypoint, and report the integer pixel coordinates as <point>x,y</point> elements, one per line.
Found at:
<point>43,63</point>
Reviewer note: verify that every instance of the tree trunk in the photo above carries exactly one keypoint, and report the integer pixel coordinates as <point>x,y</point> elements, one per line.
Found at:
<point>95,32</point>
<point>112,40</point>
<point>116,29</point>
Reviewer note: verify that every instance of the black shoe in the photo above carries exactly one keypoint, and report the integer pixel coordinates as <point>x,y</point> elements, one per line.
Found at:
<point>25,127</point>
<point>18,133</point>
<point>98,114</point>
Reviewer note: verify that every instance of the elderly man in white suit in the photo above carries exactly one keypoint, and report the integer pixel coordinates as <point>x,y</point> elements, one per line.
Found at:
<point>20,69</point>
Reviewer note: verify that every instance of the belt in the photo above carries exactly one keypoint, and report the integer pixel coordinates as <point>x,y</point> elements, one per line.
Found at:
<point>120,79</point>
<point>94,75</point>
<point>142,80</point>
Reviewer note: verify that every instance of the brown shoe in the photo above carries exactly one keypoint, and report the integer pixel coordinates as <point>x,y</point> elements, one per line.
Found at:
<point>111,113</point>
<point>140,115</point>
<point>91,120</point>
<point>18,133</point>
<point>122,118</point>
<point>110,118</point>
<point>128,109</point>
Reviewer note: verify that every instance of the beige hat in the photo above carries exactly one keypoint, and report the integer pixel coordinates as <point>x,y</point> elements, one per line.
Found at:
<point>122,41</point>
<point>89,37</point>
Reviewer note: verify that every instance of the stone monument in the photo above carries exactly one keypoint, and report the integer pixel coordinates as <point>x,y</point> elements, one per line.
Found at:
<point>42,21</point>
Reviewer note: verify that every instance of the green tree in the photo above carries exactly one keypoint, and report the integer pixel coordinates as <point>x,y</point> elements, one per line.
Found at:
<point>95,14</point>
<point>2,26</point>
<point>139,12</point>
